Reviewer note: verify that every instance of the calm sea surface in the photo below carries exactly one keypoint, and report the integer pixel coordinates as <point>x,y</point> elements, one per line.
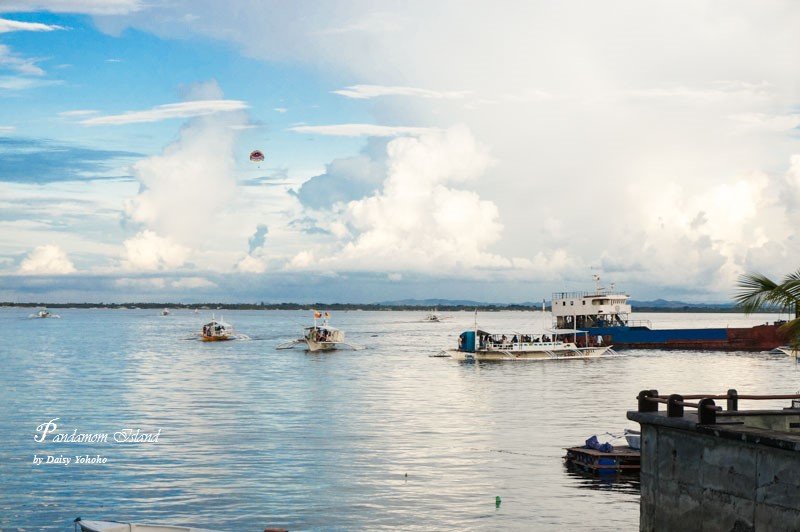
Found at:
<point>383,438</point>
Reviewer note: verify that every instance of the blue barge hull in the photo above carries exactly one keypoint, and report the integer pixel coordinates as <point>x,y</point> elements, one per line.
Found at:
<point>758,338</point>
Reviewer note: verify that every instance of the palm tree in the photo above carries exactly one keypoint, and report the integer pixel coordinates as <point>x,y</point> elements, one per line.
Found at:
<point>759,292</point>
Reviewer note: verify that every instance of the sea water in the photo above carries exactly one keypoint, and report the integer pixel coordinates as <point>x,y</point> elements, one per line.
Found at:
<point>247,436</point>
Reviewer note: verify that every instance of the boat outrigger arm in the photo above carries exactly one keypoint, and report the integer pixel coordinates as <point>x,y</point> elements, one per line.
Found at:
<point>291,344</point>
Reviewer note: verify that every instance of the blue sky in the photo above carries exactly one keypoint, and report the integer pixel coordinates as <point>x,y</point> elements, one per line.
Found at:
<point>499,155</point>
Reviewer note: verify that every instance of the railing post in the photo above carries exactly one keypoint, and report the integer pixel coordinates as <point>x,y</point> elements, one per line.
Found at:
<point>644,404</point>
<point>673,408</point>
<point>733,400</point>
<point>705,415</point>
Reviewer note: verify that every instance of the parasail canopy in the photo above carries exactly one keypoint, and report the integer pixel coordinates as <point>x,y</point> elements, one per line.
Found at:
<point>256,156</point>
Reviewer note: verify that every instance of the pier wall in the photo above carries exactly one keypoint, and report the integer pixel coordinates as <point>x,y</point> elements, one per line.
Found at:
<point>696,478</point>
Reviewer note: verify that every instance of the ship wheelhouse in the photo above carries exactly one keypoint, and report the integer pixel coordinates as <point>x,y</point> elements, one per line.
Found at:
<point>583,310</point>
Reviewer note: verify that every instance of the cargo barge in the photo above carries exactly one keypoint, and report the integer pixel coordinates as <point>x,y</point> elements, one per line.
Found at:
<point>605,315</point>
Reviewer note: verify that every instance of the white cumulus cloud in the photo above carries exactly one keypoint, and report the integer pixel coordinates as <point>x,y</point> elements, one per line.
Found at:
<point>184,189</point>
<point>250,264</point>
<point>420,219</point>
<point>46,260</point>
<point>148,251</point>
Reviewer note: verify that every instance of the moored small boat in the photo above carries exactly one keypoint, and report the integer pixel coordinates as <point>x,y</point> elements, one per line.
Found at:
<point>114,526</point>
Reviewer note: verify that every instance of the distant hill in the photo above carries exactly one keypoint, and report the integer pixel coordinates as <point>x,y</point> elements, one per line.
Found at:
<point>667,304</point>
<point>436,303</point>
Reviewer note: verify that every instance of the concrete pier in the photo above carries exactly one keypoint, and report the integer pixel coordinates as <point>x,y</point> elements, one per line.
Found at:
<point>741,472</point>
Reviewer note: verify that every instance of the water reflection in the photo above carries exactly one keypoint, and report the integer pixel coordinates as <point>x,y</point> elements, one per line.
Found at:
<point>375,439</point>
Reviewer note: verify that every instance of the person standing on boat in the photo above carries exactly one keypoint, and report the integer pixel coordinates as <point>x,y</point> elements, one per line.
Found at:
<point>599,340</point>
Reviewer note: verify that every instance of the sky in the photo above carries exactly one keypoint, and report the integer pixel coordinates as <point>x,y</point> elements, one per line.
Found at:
<point>496,152</point>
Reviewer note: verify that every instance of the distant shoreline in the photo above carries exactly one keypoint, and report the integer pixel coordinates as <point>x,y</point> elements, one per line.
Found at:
<point>361,306</point>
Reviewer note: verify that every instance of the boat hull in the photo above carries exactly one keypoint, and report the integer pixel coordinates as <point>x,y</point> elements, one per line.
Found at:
<point>555,354</point>
<point>320,346</point>
<point>758,338</point>
<point>216,338</point>
<point>113,526</point>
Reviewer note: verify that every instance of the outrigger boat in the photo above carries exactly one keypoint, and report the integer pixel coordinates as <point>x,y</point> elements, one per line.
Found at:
<point>787,350</point>
<point>217,331</point>
<point>320,337</point>
<point>114,526</point>
<point>165,312</point>
<point>556,344</point>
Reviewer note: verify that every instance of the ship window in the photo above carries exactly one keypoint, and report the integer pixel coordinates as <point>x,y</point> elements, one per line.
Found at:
<point>571,303</point>
<point>563,303</point>
<point>584,301</point>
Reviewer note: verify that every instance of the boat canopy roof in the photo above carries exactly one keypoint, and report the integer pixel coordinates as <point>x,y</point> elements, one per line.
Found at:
<point>215,322</point>
<point>565,331</point>
<point>322,328</point>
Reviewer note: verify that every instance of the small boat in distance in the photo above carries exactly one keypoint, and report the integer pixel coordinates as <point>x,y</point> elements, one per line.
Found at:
<point>320,337</point>
<point>165,312</point>
<point>434,317</point>
<point>217,331</point>
<point>44,313</point>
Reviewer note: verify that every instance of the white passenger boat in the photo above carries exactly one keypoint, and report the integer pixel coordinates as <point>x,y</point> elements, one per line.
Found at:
<point>555,344</point>
<point>114,526</point>
<point>320,337</point>
<point>165,312</point>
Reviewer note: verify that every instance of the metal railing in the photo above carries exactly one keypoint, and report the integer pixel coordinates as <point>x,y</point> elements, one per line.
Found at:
<point>707,409</point>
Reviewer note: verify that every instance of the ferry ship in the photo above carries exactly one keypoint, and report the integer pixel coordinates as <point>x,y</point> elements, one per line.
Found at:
<point>605,315</point>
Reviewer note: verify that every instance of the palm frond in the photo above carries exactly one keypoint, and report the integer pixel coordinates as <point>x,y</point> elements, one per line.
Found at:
<point>755,292</point>
<point>792,330</point>
<point>791,284</point>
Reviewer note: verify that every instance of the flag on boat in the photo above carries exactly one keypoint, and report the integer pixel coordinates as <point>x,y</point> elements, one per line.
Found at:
<point>317,314</point>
